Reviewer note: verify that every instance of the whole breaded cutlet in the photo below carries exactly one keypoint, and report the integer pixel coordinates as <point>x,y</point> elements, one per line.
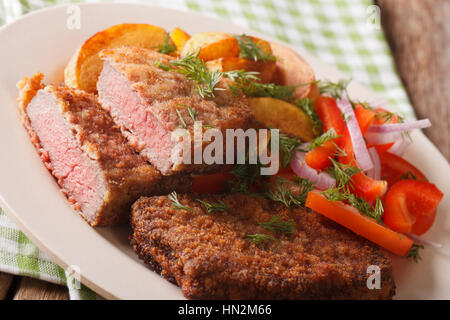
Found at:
<point>209,256</point>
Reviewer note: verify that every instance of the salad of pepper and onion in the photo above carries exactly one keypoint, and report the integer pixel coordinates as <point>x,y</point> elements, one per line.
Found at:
<point>352,172</point>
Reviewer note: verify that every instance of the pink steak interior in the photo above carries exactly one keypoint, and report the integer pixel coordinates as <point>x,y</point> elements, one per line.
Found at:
<point>126,107</point>
<point>79,176</point>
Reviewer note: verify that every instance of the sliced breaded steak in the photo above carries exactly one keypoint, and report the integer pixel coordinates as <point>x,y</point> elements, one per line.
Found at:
<point>208,256</point>
<point>145,100</point>
<point>79,143</point>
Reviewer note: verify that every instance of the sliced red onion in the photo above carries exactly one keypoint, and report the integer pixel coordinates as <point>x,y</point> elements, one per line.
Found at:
<point>375,138</point>
<point>419,240</point>
<point>359,145</point>
<point>375,172</point>
<point>322,180</point>
<point>398,127</point>
<point>400,146</point>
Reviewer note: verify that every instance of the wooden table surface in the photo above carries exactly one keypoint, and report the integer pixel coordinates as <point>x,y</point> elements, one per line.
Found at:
<point>418,32</point>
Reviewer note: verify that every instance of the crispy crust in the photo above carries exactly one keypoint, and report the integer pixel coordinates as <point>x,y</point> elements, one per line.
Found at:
<point>127,174</point>
<point>207,255</point>
<point>165,95</point>
<point>164,91</point>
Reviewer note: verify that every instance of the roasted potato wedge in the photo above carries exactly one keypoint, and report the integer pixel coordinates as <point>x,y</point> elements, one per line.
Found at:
<point>292,70</point>
<point>179,38</point>
<point>266,69</point>
<point>212,45</point>
<point>85,66</point>
<point>282,115</point>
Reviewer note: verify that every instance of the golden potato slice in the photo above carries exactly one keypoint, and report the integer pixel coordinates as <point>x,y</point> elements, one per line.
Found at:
<point>179,38</point>
<point>292,70</point>
<point>85,66</point>
<point>212,45</point>
<point>282,115</point>
<point>266,69</point>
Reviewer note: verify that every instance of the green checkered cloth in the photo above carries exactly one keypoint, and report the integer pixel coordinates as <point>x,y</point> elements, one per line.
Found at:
<point>344,33</point>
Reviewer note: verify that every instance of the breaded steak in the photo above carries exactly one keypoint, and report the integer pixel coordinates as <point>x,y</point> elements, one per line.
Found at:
<point>149,103</point>
<point>208,256</point>
<point>78,142</point>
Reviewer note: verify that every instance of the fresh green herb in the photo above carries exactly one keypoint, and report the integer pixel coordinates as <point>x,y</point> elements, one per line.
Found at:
<point>211,207</point>
<point>325,137</point>
<point>166,47</point>
<point>283,191</point>
<point>335,194</point>
<point>260,239</point>
<point>251,50</point>
<point>244,177</point>
<point>192,113</point>
<point>287,145</point>
<point>276,224</point>
<point>248,83</point>
<point>343,174</point>
<point>386,116</point>
<point>339,152</point>
<point>162,66</point>
<point>306,105</point>
<point>195,69</point>
<point>242,75</point>
<point>334,89</point>
<point>364,207</point>
<point>176,203</point>
<point>414,252</point>
<point>408,176</point>
<point>181,118</point>
<point>339,194</point>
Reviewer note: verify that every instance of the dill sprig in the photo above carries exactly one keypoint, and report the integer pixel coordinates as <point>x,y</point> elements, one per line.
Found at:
<point>386,116</point>
<point>337,194</point>
<point>283,191</point>
<point>260,239</point>
<point>211,207</point>
<point>323,138</point>
<point>334,89</point>
<point>183,123</point>
<point>414,252</point>
<point>166,47</point>
<point>176,203</point>
<point>364,207</point>
<point>248,83</point>
<point>195,69</point>
<point>251,50</point>
<point>192,112</point>
<point>343,173</point>
<point>244,177</point>
<point>306,105</point>
<point>287,145</point>
<point>275,224</point>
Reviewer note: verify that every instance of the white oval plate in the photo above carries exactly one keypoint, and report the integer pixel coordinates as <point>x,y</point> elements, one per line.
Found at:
<point>41,41</point>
